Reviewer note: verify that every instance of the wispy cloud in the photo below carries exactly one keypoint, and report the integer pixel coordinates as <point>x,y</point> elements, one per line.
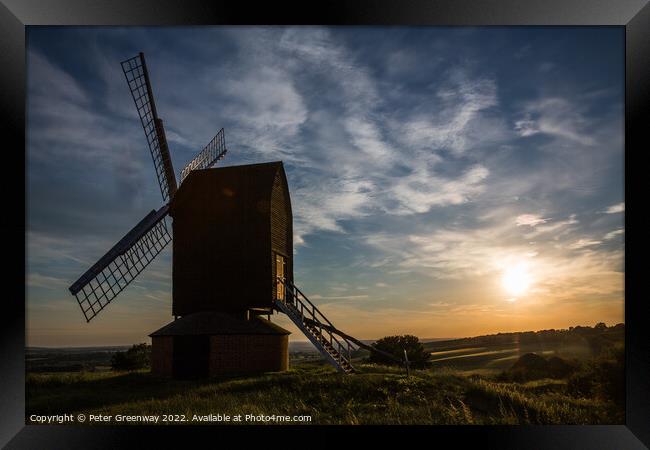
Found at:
<point>454,122</point>
<point>268,105</point>
<point>613,234</point>
<point>557,117</point>
<point>422,190</point>
<point>338,297</point>
<point>44,281</point>
<point>583,243</point>
<point>529,219</point>
<point>557,227</point>
<point>614,209</point>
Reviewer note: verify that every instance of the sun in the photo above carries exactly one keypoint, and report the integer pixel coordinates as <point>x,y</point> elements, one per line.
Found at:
<point>516,279</point>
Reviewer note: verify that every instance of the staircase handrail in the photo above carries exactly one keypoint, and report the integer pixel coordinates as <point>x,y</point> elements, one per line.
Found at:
<point>360,344</point>
<point>296,293</point>
<point>314,308</point>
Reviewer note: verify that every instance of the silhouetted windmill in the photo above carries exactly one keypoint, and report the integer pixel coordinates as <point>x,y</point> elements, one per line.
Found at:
<point>232,261</point>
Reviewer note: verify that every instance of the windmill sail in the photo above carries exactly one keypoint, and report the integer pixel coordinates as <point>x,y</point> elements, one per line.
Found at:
<point>137,77</point>
<point>121,264</point>
<point>213,152</point>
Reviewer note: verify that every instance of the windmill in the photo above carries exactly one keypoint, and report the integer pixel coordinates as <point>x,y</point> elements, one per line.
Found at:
<point>232,261</point>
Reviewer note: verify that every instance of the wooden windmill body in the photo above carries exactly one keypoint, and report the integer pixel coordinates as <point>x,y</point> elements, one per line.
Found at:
<point>232,250</point>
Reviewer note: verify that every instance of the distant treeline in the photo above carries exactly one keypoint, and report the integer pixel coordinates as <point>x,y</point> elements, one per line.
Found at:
<point>597,338</point>
<point>58,360</point>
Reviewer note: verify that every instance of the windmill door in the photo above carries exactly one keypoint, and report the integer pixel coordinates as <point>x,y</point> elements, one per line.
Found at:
<point>280,274</point>
<point>191,355</point>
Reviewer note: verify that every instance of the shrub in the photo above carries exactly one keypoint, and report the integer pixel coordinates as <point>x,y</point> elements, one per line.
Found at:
<point>612,376</point>
<point>559,368</point>
<point>532,366</point>
<point>603,377</point>
<point>395,345</point>
<point>137,357</point>
<point>581,384</point>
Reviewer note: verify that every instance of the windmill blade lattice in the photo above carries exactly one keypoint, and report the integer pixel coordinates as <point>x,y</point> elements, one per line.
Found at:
<point>137,76</point>
<point>122,264</point>
<point>213,152</point>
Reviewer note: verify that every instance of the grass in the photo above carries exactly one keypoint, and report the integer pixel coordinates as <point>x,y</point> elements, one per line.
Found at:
<point>376,395</point>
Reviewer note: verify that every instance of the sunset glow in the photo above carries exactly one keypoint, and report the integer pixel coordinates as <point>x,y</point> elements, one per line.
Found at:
<point>516,280</point>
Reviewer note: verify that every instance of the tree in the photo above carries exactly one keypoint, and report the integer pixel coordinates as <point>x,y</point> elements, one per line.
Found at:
<point>137,357</point>
<point>600,326</point>
<point>395,345</point>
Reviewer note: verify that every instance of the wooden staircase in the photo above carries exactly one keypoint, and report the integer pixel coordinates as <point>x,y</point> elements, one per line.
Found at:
<point>334,345</point>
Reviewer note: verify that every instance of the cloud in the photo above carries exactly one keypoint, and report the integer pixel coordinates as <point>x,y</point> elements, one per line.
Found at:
<point>556,117</point>
<point>63,122</point>
<point>530,220</point>
<point>406,62</point>
<point>583,243</point>
<point>422,190</point>
<point>439,304</point>
<point>553,227</point>
<point>452,119</point>
<point>173,136</point>
<point>447,253</point>
<point>614,209</point>
<point>48,80</point>
<point>48,250</point>
<point>526,127</point>
<point>367,138</point>
<point>266,100</point>
<point>43,281</point>
<point>339,297</point>
<point>321,206</point>
<point>613,234</point>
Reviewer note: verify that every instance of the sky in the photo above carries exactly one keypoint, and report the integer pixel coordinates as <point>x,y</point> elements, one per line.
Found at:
<point>445,182</point>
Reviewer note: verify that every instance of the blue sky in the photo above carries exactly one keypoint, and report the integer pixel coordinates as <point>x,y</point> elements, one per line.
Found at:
<point>424,165</point>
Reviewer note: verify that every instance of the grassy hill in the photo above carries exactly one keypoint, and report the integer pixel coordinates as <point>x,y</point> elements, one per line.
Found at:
<point>376,395</point>
<point>572,376</point>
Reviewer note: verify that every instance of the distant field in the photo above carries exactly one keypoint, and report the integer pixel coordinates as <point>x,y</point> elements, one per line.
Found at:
<point>490,358</point>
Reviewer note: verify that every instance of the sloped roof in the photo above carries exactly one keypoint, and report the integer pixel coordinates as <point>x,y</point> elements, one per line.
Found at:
<point>253,181</point>
<point>215,323</point>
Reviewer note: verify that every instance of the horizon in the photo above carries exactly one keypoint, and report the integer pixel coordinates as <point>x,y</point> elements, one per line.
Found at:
<point>444,181</point>
<point>306,341</point>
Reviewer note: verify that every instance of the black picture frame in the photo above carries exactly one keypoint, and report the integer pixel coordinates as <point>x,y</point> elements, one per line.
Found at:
<point>15,15</point>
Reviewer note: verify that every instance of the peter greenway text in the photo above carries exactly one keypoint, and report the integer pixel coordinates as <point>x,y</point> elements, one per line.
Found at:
<point>166,418</point>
